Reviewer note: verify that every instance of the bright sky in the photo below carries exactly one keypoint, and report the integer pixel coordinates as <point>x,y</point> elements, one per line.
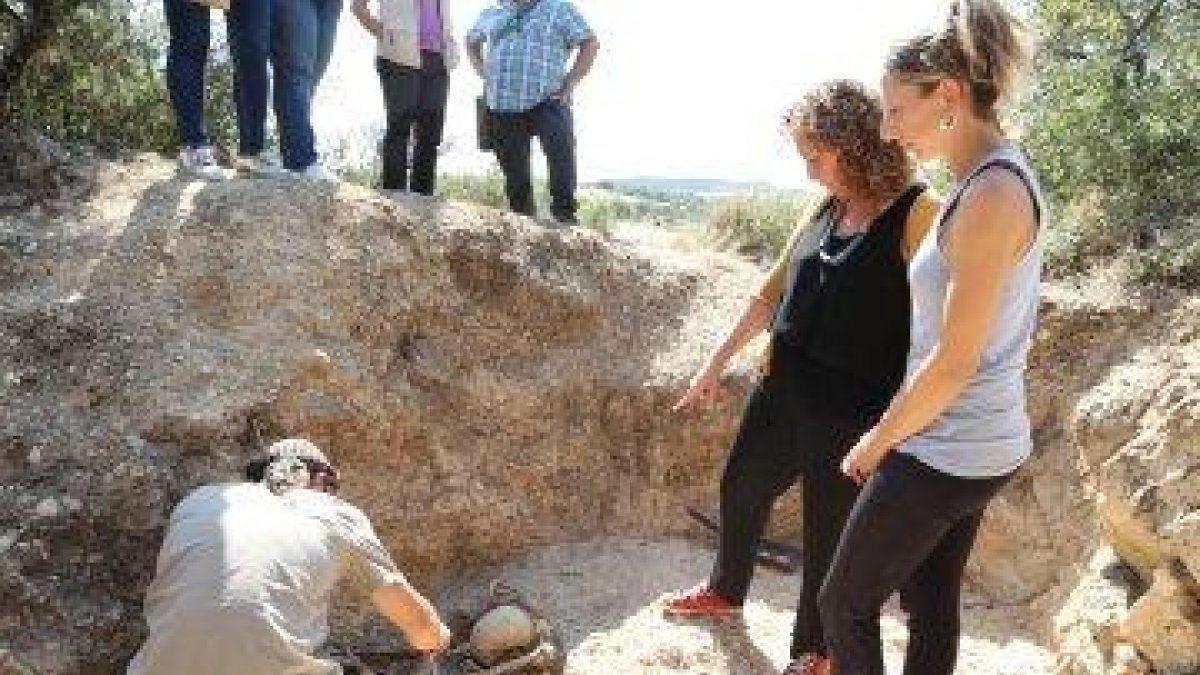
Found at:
<point>681,89</point>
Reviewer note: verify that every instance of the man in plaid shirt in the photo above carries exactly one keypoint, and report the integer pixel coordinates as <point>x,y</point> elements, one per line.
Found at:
<point>529,91</point>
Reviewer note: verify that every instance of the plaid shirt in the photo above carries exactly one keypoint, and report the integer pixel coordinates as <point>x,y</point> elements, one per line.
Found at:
<point>526,62</point>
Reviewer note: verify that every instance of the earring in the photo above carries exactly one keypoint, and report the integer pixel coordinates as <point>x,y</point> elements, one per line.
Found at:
<point>947,123</point>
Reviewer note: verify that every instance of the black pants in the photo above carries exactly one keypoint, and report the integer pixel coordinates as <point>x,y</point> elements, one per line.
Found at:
<point>415,100</point>
<point>784,437</point>
<point>911,530</point>
<point>553,125</point>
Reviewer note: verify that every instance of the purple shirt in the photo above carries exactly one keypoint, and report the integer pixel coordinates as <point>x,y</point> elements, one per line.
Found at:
<point>430,15</point>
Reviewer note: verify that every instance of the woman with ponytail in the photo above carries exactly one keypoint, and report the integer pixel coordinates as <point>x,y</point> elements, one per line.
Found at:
<point>836,305</point>
<point>957,430</point>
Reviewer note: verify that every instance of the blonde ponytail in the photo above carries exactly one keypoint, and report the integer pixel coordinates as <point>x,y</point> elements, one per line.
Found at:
<point>982,44</point>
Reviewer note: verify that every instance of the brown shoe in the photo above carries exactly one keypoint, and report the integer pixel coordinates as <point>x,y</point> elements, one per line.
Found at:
<point>809,663</point>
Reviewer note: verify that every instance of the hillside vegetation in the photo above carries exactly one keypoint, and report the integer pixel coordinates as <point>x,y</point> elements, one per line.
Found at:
<point>1112,122</point>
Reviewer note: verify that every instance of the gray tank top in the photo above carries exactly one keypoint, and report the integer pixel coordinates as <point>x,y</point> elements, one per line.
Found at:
<point>985,432</point>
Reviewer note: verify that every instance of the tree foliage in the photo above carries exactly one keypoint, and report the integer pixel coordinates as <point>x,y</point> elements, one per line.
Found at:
<point>1113,126</point>
<point>94,72</point>
<point>25,29</point>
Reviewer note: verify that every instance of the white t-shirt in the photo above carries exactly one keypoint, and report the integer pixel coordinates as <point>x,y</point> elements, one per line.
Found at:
<point>244,580</point>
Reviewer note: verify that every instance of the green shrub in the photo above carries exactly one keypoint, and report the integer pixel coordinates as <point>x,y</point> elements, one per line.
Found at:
<point>1175,261</point>
<point>487,189</point>
<point>757,224</point>
<point>1114,129</point>
<point>100,80</point>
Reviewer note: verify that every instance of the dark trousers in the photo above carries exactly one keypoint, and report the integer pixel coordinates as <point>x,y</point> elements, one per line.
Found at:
<point>249,29</point>
<point>187,62</point>
<point>248,24</point>
<point>783,437</point>
<point>911,530</point>
<point>415,100</point>
<point>552,123</point>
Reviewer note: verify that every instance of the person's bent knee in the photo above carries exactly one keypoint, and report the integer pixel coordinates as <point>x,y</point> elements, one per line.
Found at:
<point>737,486</point>
<point>936,613</point>
<point>294,70</point>
<point>397,131</point>
<point>837,604</point>
<point>251,55</point>
<point>830,605</point>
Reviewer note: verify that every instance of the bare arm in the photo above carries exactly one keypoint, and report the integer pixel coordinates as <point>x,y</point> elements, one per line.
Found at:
<point>409,611</point>
<point>475,55</point>
<point>991,231</point>
<point>585,58</point>
<point>754,319</point>
<point>362,12</point>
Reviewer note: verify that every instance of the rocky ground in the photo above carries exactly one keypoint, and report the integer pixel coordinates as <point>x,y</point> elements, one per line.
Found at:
<point>495,390</point>
<point>605,596</point>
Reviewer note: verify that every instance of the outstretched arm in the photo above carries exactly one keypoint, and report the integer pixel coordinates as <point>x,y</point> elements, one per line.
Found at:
<point>415,616</point>
<point>391,593</point>
<point>755,318</point>
<point>706,383</point>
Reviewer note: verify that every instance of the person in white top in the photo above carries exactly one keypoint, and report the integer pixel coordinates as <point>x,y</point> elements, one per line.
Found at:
<point>247,570</point>
<point>416,52</point>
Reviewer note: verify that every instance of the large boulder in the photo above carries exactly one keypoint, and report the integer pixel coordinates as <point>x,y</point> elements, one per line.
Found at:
<point>1044,517</point>
<point>1130,418</point>
<point>488,384</point>
<point>1138,432</point>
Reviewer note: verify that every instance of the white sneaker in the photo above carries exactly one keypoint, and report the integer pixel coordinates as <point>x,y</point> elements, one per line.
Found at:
<point>317,171</point>
<point>261,165</point>
<point>201,162</point>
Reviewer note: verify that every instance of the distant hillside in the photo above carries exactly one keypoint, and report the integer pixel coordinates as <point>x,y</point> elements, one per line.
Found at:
<point>675,187</point>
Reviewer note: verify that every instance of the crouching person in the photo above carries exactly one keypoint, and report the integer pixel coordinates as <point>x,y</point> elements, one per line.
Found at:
<point>247,571</point>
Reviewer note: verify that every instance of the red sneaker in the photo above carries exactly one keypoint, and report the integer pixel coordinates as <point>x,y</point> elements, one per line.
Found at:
<point>699,601</point>
<point>809,663</point>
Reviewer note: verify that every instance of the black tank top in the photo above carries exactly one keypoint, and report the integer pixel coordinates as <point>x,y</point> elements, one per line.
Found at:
<point>845,323</point>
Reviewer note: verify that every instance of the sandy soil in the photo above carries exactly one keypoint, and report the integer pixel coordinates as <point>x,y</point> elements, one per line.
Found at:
<point>603,596</point>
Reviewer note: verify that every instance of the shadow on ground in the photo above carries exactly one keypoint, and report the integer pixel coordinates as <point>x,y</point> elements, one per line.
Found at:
<point>603,597</point>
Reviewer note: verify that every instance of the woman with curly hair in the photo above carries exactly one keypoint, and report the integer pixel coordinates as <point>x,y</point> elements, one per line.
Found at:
<point>837,306</point>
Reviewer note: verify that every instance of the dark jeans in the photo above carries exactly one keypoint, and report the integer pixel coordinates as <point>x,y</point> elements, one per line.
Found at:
<point>551,121</point>
<point>415,100</point>
<point>304,33</point>
<point>249,27</point>
<point>187,60</point>
<point>782,438</point>
<point>911,530</point>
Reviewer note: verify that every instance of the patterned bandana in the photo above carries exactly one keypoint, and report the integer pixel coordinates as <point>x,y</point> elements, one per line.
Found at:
<point>291,464</point>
